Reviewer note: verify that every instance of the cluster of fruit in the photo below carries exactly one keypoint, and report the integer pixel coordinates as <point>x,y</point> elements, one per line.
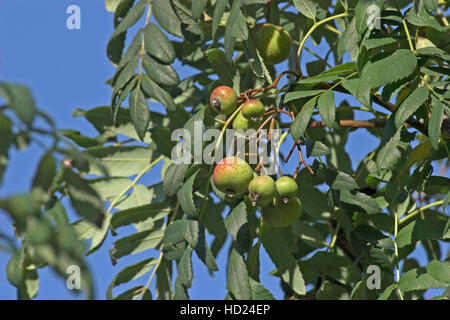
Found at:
<point>233,176</point>
<point>277,200</point>
<point>224,100</point>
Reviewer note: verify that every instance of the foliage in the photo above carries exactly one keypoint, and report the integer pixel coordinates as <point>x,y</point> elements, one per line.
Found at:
<point>394,202</point>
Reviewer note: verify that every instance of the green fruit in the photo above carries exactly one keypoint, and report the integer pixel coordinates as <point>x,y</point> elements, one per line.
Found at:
<point>262,191</point>
<point>372,182</point>
<point>287,188</point>
<point>253,110</point>
<point>272,42</point>
<point>240,122</point>
<point>232,176</point>
<point>223,99</point>
<point>280,214</point>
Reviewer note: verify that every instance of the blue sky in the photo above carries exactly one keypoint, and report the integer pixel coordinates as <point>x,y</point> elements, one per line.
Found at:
<point>67,69</point>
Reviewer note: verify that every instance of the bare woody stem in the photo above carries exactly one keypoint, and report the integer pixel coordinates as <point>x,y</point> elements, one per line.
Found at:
<point>351,124</point>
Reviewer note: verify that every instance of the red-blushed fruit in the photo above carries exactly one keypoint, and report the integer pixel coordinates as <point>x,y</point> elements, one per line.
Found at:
<point>253,110</point>
<point>232,176</point>
<point>223,99</point>
<point>280,214</point>
<point>262,191</point>
<point>286,188</point>
<point>273,42</point>
<point>240,122</point>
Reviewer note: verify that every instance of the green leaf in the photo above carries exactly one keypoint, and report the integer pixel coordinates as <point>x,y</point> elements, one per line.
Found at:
<point>219,10</point>
<point>101,119</point>
<point>160,73</point>
<point>164,280</point>
<point>319,79</point>
<point>135,243</point>
<point>153,90</point>
<point>14,269</point>
<point>253,264</point>
<point>313,201</point>
<point>116,43</point>
<point>331,291</point>
<point>219,63</point>
<point>120,161</point>
<point>125,74</point>
<point>419,16</point>
<point>5,142</point>
<point>237,225</point>
<point>108,188</point>
<point>185,197</point>
<point>130,18</point>
<point>278,250</point>
<point>145,214</point>
<point>363,14</point>
<point>434,52</point>
<point>111,5</point>
<point>198,7</point>
<point>301,122</point>
<point>135,293</point>
<point>434,126</point>
<point>339,180</point>
<point>166,17</point>
<point>158,44</point>
<point>84,198</point>
<point>306,7</point>
<point>309,235</point>
<point>80,139</point>
<point>410,105</point>
<point>327,108</point>
<point>333,265</point>
<point>349,41</point>
<point>400,64</point>
<point>130,273</point>
<point>358,201</point>
<point>316,148</point>
<point>184,268</point>
<point>238,280</point>
<point>43,178</point>
<point>181,292</point>
<point>173,179</point>
<point>204,252</point>
<point>20,100</point>
<point>418,279</point>
<point>300,94</point>
<point>258,292</point>
<point>387,292</point>
<point>439,271</point>
<point>392,140</point>
<point>182,230</point>
<point>378,42</point>
<point>139,112</point>
<point>419,230</point>
<point>352,86</point>
<point>236,29</point>
<point>99,235</point>
<point>161,136</point>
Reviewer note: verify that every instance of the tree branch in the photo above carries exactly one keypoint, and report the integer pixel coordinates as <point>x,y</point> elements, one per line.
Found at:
<point>351,123</point>
<point>378,100</point>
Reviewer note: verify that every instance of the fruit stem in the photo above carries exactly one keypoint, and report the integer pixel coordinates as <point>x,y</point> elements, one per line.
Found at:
<point>314,27</point>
